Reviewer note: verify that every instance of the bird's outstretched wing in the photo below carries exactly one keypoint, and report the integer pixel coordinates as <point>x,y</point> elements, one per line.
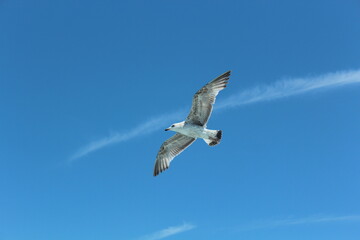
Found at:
<point>170,149</point>
<point>204,99</point>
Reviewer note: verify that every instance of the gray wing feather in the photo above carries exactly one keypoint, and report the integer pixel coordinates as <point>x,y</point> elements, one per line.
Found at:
<point>204,99</point>
<point>169,150</point>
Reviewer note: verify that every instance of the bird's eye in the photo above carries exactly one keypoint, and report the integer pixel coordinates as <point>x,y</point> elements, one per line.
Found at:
<point>172,125</point>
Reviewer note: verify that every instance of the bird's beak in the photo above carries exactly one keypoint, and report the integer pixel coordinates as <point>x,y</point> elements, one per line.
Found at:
<point>167,129</point>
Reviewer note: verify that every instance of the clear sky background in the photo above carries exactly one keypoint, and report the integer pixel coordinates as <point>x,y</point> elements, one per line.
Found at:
<point>87,87</point>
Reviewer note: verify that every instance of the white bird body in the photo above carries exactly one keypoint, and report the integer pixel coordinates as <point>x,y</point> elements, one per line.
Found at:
<point>193,130</point>
<point>194,126</point>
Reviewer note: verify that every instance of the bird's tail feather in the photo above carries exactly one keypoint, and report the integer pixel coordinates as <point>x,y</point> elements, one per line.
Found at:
<point>214,137</point>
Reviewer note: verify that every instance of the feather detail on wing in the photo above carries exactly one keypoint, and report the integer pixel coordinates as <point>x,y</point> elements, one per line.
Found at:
<point>170,149</point>
<point>204,99</point>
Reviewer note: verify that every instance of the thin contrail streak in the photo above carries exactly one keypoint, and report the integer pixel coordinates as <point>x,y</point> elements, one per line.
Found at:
<point>167,232</point>
<point>277,90</point>
<point>297,221</point>
<point>152,125</point>
<point>290,87</point>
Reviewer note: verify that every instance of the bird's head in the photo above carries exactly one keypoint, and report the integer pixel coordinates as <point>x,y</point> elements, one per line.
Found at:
<point>175,126</point>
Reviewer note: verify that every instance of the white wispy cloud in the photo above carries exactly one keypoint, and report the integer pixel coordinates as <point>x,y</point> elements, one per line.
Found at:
<point>168,232</point>
<point>151,125</point>
<point>279,89</point>
<point>290,87</point>
<point>297,221</point>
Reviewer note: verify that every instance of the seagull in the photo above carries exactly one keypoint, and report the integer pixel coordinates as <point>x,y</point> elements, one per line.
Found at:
<point>194,125</point>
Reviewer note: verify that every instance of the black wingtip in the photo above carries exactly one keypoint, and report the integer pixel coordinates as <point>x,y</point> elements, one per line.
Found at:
<point>219,134</point>
<point>226,74</point>
<point>158,171</point>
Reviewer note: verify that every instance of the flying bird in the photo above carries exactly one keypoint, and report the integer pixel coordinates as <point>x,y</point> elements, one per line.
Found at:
<point>194,125</point>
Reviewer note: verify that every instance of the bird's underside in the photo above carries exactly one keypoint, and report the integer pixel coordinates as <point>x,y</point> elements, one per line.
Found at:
<point>194,126</point>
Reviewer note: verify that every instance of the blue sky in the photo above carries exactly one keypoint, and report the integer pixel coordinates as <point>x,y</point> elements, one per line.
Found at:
<point>82,83</point>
